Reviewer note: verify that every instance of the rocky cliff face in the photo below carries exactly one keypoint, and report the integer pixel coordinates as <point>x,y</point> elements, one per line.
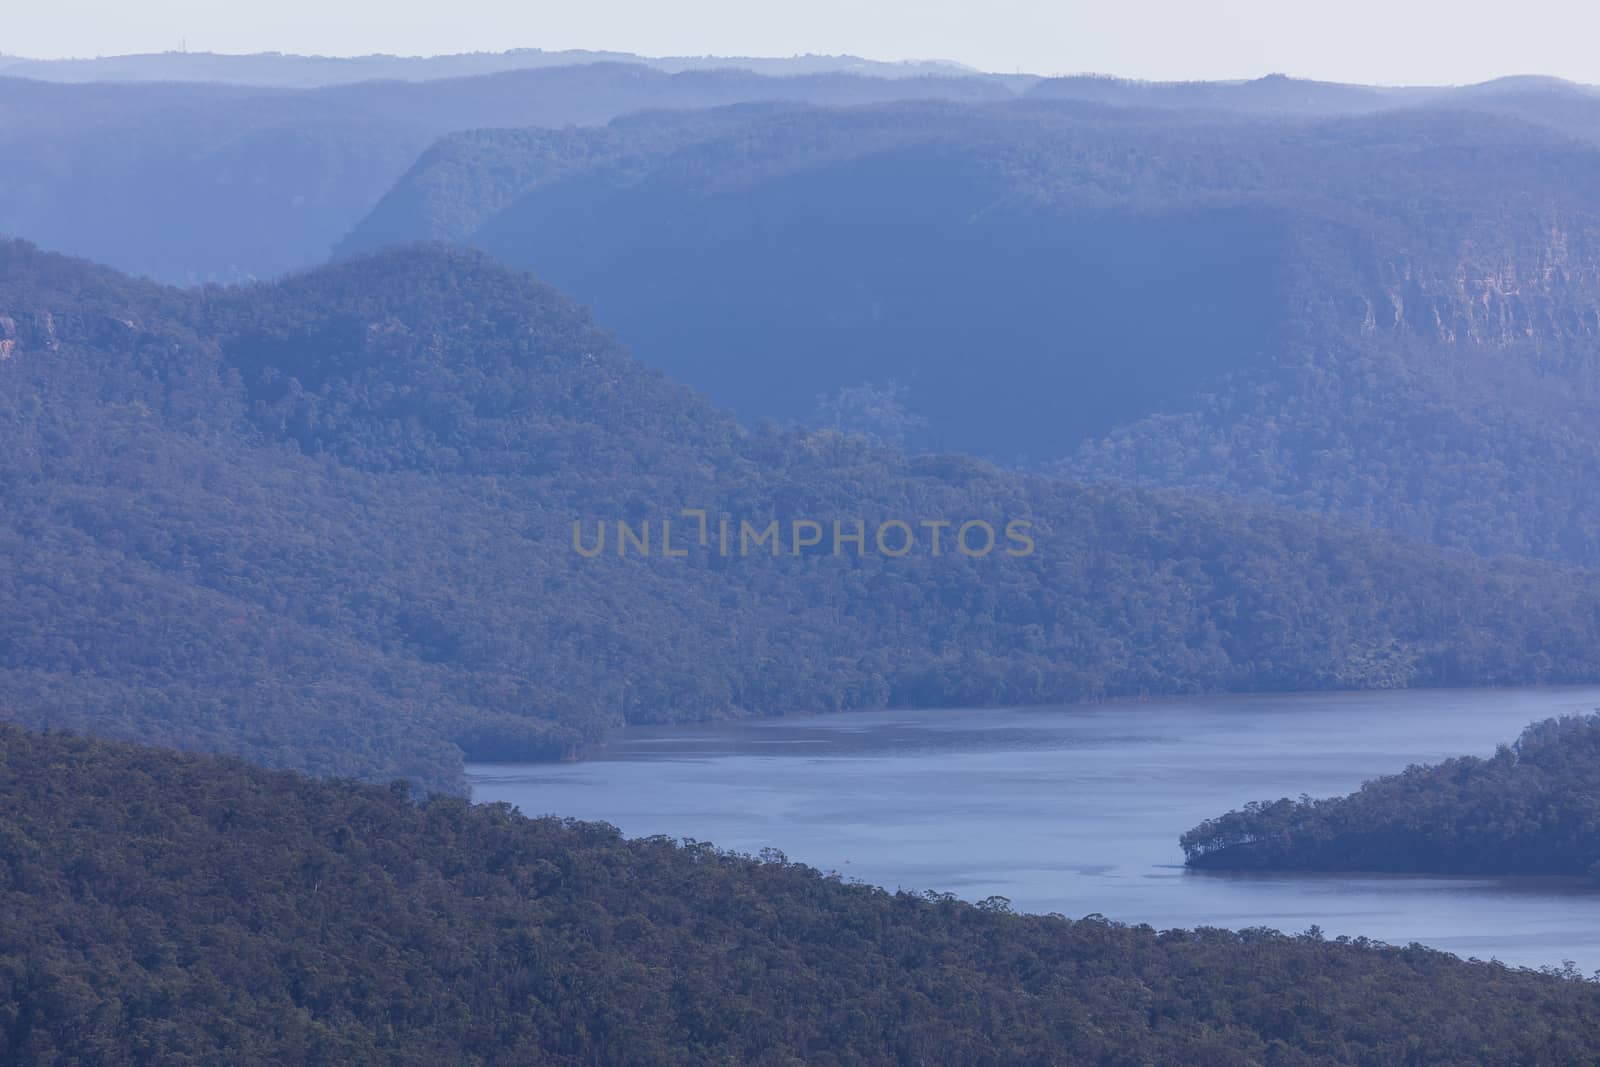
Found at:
<point>1545,286</point>
<point>32,331</point>
<point>1442,387</point>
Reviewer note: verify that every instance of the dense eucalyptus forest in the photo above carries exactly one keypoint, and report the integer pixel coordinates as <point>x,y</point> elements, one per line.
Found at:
<point>182,909</point>
<point>326,523</point>
<point>1533,808</point>
<point>1289,386</point>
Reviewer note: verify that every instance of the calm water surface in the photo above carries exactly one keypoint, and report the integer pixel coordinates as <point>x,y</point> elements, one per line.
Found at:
<point>1078,809</point>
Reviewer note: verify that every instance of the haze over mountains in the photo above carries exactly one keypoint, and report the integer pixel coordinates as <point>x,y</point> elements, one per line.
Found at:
<point>1389,318</point>
<point>192,167</point>
<point>328,524</point>
<point>1213,291</point>
<point>1280,94</point>
<point>1191,294</point>
<point>540,366</point>
<point>285,71</point>
<point>207,182</point>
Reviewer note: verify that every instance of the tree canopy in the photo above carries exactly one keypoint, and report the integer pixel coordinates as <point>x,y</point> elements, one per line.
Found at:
<point>182,909</point>
<point>327,523</point>
<point>1531,808</point>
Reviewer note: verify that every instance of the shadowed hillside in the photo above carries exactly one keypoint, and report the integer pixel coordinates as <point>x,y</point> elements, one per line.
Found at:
<point>202,182</point>
<point>1389,318</point>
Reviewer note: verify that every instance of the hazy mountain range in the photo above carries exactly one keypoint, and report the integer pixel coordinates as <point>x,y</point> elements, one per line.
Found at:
<point>288,510</point>
<point>328,523</point>
<point>207,182</point>
<point>284,71</point>
<point>195,167</point>
<point>1390,318</point>
<point>558,391</point>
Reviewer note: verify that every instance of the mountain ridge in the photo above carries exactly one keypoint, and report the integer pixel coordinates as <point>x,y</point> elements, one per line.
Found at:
<point>1213,303</point>
<point>263,519</point>
<point>288,70</point>
<point>203,182</point>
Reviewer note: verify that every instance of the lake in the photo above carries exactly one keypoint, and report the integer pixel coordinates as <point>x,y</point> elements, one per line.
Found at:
<point>1077,809</point>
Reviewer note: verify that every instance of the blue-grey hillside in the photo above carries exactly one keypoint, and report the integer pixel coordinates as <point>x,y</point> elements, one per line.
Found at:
<point>327,523</point>
<point>205,182</point>
<point>1390,318</point>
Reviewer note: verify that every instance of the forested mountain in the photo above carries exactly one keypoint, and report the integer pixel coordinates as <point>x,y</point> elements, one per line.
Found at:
<point>1532,808</point>
<point>284,71</point>
<point>202,182</point>
<point>179,909</point>
<point>328,524</point>
<point>1391,318</point>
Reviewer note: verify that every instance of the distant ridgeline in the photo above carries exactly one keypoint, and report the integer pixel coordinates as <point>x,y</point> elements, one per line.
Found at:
<point>1533,808</point>
<point>1390,317</point>
<point>162,908</point>
<point>204,182</point>
<point>284,70</point>
<point>328,524</point>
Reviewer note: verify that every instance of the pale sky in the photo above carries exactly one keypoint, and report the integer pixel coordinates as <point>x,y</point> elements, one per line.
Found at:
<point>1375,41</point>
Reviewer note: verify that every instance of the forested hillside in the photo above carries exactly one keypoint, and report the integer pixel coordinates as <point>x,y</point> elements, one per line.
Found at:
<point>1532,808</point>
<point>180,909</point>
<point>205,182</point>
<point>1390,318</point>
<point>328,524</point>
